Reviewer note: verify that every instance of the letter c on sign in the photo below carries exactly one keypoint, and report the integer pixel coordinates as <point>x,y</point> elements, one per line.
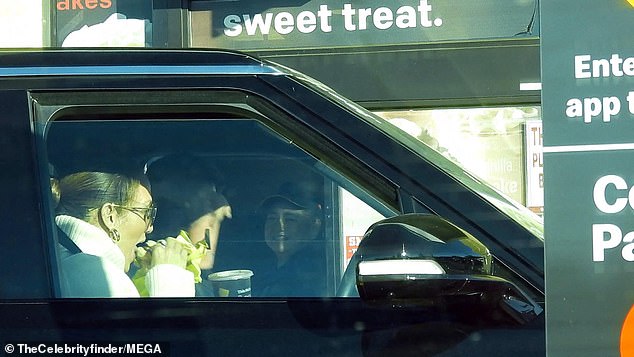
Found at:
<point>599,194</point>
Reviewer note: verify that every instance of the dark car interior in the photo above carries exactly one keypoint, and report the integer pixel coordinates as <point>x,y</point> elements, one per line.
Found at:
<point>252,161</point>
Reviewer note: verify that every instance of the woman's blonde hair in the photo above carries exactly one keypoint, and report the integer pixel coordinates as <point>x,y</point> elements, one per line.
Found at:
<point>79,193</point>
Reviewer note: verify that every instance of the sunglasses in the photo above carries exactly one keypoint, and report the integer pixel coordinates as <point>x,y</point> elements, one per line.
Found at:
<point>147,214</point>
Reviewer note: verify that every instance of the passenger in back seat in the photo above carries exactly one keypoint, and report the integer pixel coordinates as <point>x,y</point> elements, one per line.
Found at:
<point>185,189</point>
<point>293,232</point>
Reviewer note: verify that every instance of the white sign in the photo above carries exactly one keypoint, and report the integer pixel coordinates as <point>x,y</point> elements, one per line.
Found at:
<point>534,166</point>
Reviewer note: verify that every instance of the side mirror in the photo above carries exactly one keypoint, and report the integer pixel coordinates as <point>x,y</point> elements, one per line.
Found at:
<point>425,261</point>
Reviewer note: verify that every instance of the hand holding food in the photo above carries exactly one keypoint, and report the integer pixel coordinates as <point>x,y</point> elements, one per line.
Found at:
<point>179,251</point>
<point>169,251</point>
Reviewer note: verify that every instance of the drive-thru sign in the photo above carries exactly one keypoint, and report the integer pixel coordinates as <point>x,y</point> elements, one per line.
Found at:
<point>588,120</point>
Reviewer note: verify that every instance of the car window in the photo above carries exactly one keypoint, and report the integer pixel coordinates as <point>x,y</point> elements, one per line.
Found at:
<point>357,216</point>
<point>246,199</point>
<point>520,214</point>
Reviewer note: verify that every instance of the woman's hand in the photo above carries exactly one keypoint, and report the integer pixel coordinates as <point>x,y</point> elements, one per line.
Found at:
<point>169,251</point>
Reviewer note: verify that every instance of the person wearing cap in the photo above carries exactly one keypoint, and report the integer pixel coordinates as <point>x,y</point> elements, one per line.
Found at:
<point>293,232</point>
<point>191,208</point>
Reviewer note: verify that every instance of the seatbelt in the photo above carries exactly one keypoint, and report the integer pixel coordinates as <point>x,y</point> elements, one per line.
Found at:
<point>66,242</point>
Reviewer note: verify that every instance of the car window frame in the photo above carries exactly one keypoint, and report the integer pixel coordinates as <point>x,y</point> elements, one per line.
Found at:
<point>88,105</point>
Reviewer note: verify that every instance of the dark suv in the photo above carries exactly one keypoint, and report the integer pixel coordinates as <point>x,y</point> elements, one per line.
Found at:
<point>416,255</point>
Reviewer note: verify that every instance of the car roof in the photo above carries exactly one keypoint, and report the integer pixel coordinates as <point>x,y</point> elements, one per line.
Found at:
<point>92,61</point>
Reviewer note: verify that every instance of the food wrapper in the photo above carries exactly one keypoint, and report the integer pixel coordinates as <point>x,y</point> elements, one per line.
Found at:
<point>144,258</point>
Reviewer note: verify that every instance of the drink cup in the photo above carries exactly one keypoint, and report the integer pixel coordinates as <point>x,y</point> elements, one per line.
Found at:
<point>231,283</point>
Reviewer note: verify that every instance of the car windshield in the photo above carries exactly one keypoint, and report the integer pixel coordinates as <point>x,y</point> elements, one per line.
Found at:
<point>514,210</point>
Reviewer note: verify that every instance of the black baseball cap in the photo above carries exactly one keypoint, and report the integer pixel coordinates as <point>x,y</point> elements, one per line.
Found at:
<point>299,195</point>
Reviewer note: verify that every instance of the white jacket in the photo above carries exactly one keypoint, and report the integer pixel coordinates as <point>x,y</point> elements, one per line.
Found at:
<point>99,270</point>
